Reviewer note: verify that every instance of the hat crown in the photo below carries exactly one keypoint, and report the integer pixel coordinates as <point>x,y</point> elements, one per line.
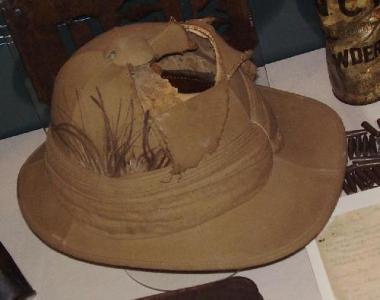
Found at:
<point>181,102</point>
<point>146,97</point>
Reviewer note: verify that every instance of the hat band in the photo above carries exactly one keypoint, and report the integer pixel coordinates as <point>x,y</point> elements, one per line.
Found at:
<point>155,203</point>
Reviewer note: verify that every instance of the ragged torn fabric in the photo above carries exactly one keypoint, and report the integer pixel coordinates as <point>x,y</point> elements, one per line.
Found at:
<point>150,93</point>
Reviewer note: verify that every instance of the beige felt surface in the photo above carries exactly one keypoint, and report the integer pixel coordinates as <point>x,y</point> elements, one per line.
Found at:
<point>285,215</point>
<point>55,276</point>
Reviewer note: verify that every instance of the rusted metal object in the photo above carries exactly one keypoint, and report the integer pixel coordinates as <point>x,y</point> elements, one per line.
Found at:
<point>363,149</point>
<point>352,48</point>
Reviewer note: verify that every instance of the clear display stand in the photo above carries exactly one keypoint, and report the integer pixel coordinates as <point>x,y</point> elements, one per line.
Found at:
<point>165,281</point>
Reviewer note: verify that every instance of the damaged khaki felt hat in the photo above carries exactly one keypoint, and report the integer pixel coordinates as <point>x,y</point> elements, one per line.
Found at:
<point>163,154</point>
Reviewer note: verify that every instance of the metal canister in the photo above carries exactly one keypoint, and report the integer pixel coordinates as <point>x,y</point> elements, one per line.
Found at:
<point>352,30</point>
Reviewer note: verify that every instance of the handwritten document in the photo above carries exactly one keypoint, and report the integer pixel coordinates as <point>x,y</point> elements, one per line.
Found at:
<point>350,250</point>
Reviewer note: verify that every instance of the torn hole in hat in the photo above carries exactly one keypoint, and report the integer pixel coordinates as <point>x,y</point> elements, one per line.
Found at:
<point>165,88</point>
<point>177,77</point>
<point>193,71</point>
<point>157,132</point>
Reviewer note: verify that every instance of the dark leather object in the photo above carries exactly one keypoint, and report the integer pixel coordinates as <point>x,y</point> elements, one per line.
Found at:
<point>237,288</point>
<point>33,25</point>
<point>13,285</point>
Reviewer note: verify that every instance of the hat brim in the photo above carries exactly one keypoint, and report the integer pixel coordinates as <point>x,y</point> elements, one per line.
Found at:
<point>283,217</point>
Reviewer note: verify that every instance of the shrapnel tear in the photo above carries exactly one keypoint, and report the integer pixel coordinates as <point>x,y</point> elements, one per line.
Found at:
<point>159,85</point>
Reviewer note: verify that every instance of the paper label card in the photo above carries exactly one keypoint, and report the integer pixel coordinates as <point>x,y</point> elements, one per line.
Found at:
<point>350,250</point>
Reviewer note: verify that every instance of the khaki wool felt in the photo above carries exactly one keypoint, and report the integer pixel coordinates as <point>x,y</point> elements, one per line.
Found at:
<point>163,154</point>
